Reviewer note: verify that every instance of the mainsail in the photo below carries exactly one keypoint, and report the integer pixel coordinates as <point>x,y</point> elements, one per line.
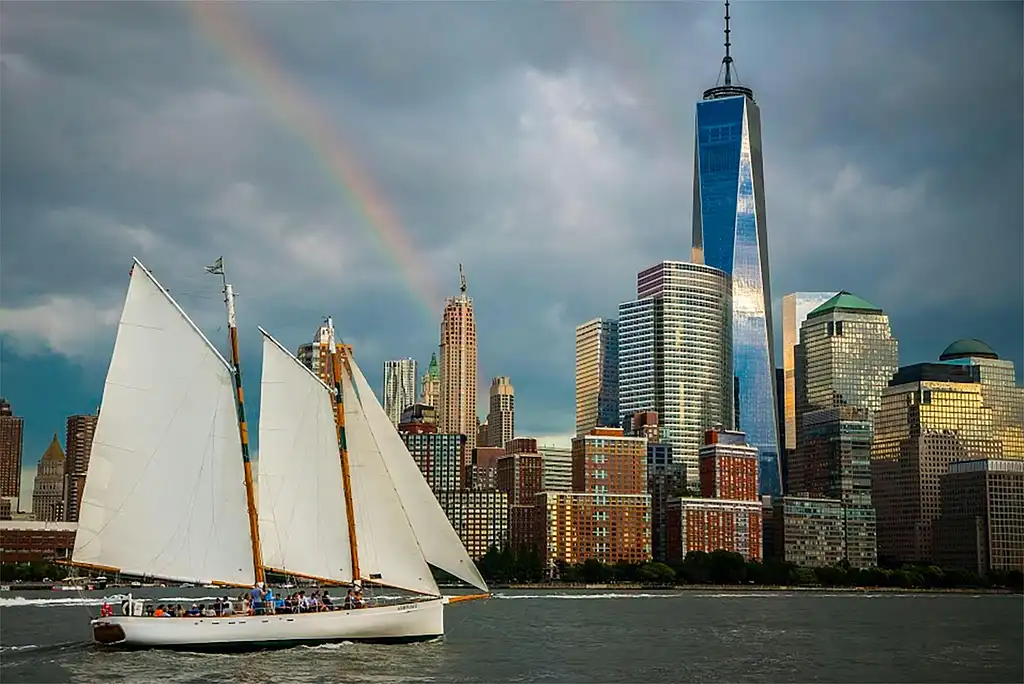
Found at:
<point>303,524</point>
<point>438,540</point>
<point>163,494</point>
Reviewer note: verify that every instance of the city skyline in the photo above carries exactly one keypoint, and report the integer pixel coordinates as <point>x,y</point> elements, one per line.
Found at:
<point>854,207</point>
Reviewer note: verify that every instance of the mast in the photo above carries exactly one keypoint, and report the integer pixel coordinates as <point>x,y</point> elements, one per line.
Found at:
<point>339,419</point>
<point>243,430</point>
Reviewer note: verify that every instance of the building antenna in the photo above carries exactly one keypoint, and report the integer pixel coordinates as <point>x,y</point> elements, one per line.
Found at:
<point>727,60</point>
<point>462,280</point>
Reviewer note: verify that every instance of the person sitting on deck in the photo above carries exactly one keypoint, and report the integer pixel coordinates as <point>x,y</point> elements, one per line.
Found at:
<point>269,602</point>
<point>159,612</point>
<point>193,611</point>
<point>207,611</point>
<point>326,601</point>
<point>359,602</point>
<point>350,599</point>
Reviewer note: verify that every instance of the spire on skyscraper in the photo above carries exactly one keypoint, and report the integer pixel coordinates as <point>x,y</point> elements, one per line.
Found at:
<point>727,89</point>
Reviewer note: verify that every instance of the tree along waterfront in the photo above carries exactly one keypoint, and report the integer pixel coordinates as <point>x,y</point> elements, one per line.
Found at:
<point>728,568</point>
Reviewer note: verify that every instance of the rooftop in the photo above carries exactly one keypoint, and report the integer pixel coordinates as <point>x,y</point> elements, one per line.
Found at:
<point>967,348</point>
<point>844,301</point>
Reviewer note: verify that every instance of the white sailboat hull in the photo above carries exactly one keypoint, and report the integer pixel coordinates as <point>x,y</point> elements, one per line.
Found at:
<point>402,623</point>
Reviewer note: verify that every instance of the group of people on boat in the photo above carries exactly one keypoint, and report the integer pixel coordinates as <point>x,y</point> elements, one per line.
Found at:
<point>260,600</point>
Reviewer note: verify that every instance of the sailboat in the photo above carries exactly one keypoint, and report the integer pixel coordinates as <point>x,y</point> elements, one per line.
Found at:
<point>170,493</point>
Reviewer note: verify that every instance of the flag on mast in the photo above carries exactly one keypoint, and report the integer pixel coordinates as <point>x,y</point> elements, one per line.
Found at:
<point>217,268</point>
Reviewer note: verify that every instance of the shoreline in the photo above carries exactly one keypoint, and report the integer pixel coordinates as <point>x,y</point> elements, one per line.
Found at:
<point>634,586</point>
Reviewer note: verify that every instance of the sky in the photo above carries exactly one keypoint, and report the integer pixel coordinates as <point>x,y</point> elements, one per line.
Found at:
<point>344,158</point>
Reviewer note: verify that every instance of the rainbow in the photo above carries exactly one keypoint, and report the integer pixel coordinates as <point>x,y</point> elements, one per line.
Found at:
<point>312,125</point>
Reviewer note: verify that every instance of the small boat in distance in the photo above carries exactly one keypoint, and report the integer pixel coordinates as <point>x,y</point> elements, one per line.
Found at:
<point>169,493</point>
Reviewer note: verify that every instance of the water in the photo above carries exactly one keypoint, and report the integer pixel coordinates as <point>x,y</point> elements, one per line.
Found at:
<point>560,636</point>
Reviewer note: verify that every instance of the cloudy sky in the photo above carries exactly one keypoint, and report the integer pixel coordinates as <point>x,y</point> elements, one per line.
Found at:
<point>344,158</point>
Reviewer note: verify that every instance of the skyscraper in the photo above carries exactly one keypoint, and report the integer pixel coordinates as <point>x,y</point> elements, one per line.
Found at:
<point>11,436</point>
<point>399,387</point>
<point>674,355</point>
<point>78,443</point>
<point>48,489</point>
<point>430,383</point>
<point>501,421</point>
<point>597,375</point>
<point>730,234</point>
<point>313,355</point>
<point>457,399</point>
<point>795,307</point>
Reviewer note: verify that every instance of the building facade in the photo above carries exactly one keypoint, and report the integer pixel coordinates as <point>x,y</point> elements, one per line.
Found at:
<point>730,233</point>
<point>597,375</point>
<point>31,541</point>
<point>795,307</point>
<point>606,461</point>
<point>399,387</point>
<point>482,474</point>
<point>479,517</point>
<point>675,355</point>
<point>430,383</point>
<point>807,531</point>
<point>501,420</point>
<point>666,479</point>
<point>981,526</point>
<point>457,398</point>
<point>315,355</point>
<point>577,526</point>
<point>440,457</point>
<point>48,489</point>
<point>712,525</point>
<point>557,468</point>
<point>728,466</point>
<point>12,429</point>
<point>78,447</point>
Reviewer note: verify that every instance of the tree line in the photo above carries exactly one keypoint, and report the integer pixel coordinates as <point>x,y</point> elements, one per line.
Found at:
<point>729,568</point>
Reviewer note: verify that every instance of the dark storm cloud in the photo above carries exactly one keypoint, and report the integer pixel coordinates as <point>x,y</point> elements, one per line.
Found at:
<point>548,147</point>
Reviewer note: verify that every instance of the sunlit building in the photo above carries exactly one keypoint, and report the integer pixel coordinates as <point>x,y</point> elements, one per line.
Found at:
<point>597,375</point>
<point>12,428</point>
<point>48,488</point>
<point>795,307</point>
<point>479,517</point>
<point>430,383</point>
<point>315,355</point>
<point>78,449</point>
<point>501,420</point>
<point>457,398</point>
<point>399,387</point>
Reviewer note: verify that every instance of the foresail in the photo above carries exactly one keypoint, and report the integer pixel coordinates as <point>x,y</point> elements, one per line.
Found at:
<point>387,546</point>
<point>303,524</point>
<point>163,494</point>
<point>440,543</point>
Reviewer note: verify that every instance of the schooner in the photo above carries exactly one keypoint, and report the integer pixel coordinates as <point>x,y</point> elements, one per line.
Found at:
<point>169,492</point>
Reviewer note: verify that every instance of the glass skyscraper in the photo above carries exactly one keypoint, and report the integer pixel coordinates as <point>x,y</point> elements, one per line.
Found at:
<point>729,233</point>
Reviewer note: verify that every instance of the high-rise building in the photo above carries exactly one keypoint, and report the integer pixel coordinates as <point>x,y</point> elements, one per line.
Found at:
<point>557,468</point>
<point>399,387</point>
<point>440,457</point>
<point>501,421</point>
<point>981,526</point>
<point>48,489</point>
<point>597,375</point>
<point>795,307</point>
<point>480,517</point>
<point>457,399</point>
<point>730,234</point>
<point>665,479</point>
<point>430,383</point>
<point>520,476</point>
<point>674,355</point>
<point>728,466</point>
<point>12,430</point>
<point>314,355</point>
<point>78,448</point>
<point>932,415</point>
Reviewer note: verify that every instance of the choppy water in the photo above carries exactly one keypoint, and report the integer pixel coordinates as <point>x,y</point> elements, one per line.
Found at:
<point>559,636</point>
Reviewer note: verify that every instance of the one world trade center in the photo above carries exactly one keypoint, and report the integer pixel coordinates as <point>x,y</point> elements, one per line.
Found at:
<point>729,233</point>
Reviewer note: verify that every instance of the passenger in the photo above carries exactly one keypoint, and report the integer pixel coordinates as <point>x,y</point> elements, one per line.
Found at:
<point>148,610</point>
<point>359,597</point>
<point>193,611</point>
<point>218,607</point>
<point>350,599</point>
<point>269,601</point>
<point>256,599</point>
<point>159,612</point>
<point>207,611</point>
<point>326,600</point>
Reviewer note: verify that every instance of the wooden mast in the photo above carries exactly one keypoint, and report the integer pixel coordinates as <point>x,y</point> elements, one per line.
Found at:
<point>243,430</point>
<point>339,419</point>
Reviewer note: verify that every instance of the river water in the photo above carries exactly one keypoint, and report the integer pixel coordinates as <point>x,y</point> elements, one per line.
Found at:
<point>575,636</point>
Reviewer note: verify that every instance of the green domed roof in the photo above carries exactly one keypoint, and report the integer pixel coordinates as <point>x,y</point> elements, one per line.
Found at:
<point>846,302</point>
<point>966,348</point>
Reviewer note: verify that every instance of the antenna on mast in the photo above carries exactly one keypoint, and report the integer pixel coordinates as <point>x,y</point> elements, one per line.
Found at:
<point>462,280</point>
<point>727,60</point>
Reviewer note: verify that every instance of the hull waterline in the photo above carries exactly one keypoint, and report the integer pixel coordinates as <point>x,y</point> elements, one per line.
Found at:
<point>404,623</point>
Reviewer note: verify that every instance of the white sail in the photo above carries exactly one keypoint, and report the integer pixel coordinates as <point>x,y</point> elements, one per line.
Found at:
<point>164,494</point>
<point>440,543</point>
<point>387,546</point>
<point>303,522</point>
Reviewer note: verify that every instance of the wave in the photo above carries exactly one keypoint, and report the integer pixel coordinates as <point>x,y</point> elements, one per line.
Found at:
<point>582,597</point>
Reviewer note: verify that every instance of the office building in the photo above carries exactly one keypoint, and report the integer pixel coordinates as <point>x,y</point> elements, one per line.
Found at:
<point>440,457</point>
<point>665,479</point>
<point>674,355</point>
<point>730,233</point>
<point>482,473</point>
<point>315,355</point>
<point>479,517</point>
<point>805,531</point>
<point>48,488</point>
<point>932,415</point>
<point>78,447</point>
<point>597,375</point>
<point>728,466</point>
<point>607,461</point>
<point>981,524</point>
<point>557,468</point>
<point>520,476</point>
<point>501,421</point>
<point>32,541</point>
<point>12,430</point>
<point>430,383</point>
<point>457,399</point>
<point>419,413</point>
<point>795,307</point>
<point>399,387</point>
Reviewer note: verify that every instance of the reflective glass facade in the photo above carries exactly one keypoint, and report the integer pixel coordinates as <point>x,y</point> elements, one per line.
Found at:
<point>795,307</point>
<point>729,233</point>
<point>597,375</point>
